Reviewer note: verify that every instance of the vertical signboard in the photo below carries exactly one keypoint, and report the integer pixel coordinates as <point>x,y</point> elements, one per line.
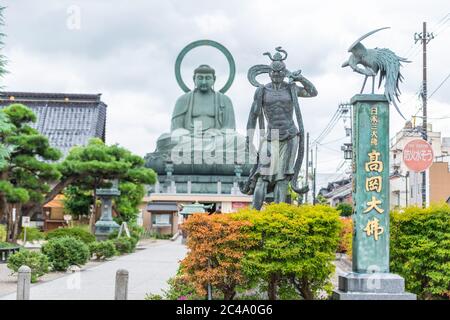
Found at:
<point>371,183</point>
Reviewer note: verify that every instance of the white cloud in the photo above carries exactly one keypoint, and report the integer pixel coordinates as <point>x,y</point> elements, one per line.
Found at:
<point>127,51</point>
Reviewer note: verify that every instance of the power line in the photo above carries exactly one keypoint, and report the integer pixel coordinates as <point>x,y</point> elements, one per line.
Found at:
<point>332,141</point>
<point>439,86</point>
<point>328,127</point>
<point>337,115</point>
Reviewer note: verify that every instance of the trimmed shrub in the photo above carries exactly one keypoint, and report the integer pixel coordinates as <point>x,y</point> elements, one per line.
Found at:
<point>217,244</point>
<point>37,262</point>
<point>66,251</point>
<point>420,250</point>
<point>346,237</point>
<point>295,248</point>
<point>345,209</point>
<point>125,245</point>
<point>7,245</point>
<point>102,249</point>
<point>75,232</point>
<point>32,234</point>
<point>179,288</point>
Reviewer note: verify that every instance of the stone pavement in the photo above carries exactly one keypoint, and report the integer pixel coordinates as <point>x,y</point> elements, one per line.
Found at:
<point>149,269</point>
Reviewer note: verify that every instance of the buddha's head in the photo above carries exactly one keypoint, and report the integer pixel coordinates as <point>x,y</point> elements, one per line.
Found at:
<point>204,78</point>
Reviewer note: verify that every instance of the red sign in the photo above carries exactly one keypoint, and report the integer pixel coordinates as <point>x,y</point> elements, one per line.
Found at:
<point>418,155</point>
<point>239,205</point>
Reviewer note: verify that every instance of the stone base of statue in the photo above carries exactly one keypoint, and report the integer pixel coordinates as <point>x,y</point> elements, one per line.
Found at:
<point>372,286</point>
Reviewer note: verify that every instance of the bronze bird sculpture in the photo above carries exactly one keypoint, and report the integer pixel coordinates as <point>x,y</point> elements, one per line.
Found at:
<point>375,61</point>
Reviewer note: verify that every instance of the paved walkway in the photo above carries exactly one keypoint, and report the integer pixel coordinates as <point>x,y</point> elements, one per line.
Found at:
<point>149,269</point>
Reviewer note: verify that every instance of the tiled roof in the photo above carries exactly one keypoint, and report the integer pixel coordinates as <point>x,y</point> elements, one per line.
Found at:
<point>67,120</point>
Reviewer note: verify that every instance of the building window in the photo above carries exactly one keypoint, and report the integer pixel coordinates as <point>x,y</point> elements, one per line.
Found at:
<point>161,219</point>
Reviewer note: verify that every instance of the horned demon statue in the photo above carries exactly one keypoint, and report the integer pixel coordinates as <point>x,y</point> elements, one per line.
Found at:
<point>281,148</point>
<point>384,61</point>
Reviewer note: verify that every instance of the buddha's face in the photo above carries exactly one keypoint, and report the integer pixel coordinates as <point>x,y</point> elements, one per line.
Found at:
<point>204,81</point>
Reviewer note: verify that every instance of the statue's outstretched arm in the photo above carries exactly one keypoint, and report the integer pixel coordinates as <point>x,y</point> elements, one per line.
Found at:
<point>308,89</point>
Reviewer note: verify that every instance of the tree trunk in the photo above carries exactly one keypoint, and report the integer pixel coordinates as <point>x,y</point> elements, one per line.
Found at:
<point>31,207</point>
<point>273,286</point>
<point>10,224</point>
<point>92,218</point>
<point>17,223</point>
<point>307,293</point>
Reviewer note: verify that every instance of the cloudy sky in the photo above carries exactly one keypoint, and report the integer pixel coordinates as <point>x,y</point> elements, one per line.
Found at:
<point>126,50</point>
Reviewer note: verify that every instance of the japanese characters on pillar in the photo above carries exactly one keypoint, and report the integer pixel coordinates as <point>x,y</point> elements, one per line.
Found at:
<point>371,184</point>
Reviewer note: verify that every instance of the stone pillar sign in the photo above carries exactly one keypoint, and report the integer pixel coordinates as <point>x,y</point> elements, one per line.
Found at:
<point>371,183</point>
<point>370,279</point>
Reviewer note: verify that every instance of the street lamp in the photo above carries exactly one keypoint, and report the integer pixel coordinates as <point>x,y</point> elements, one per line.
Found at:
<point>348,151</point>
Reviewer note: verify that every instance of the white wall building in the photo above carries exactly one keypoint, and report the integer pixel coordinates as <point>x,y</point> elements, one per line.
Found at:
<point>405,185</point>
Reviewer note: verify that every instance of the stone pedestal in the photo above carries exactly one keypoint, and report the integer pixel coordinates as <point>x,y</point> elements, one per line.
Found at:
<point>372,286</point>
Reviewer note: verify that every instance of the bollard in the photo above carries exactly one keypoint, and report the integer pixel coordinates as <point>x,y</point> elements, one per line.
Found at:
<point>23,283</point>
<point>121,285</point>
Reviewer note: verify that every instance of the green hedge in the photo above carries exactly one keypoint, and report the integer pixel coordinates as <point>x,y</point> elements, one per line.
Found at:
<point>32,234</point>
<point>37,262</point>
<point>7,245</point>
<point>296,249</point>
<point>345,209</point>
<point>102,249</point>
<point>420,250</point>
<point>66,251</point>
<point>75,232</point>
<point>125,244</point>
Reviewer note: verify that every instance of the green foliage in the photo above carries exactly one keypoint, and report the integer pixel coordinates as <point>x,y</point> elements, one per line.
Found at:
<point>296,245</point>
<point>131,195</point>
<point>77,201</point>
<point>36,261</point>
<point>66,251</point>
<point>32,234</point>
<point>7,245</point>
<point>179,289</point>
<point>75,232</point>
<point>420,250</point>
<point>102,249</point>
<point>26,177</point>
<point>152,296</point>
<point>157,235</point>
<point>93,165</point>
<point>345,209</point>
<point>5,128</point>
<point>125,245</point>
<point>320,199</point>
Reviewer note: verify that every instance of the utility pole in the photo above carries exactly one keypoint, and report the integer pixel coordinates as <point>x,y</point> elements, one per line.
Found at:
<point>315,177</point>
<point>424,37</point>
<point>307,166</point>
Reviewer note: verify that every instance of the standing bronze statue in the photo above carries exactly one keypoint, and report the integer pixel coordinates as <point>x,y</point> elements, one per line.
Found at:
<point>281,147</point>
